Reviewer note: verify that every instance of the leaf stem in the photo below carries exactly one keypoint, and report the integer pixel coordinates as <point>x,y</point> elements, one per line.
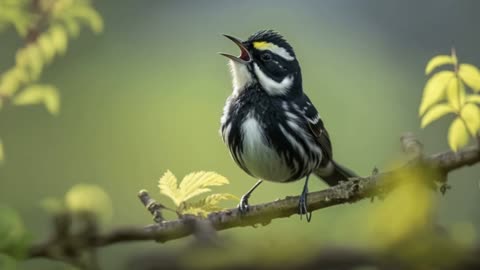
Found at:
<point>459,83</point>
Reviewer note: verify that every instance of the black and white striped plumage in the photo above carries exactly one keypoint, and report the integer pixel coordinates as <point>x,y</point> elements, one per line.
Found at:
<point>270,126</point>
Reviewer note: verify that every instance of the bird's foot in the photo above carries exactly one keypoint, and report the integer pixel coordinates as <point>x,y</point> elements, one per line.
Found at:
<point>243,206</point>
<point>302,205</point>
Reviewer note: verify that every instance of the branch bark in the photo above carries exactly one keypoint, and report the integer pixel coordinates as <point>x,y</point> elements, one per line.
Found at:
<point>346,192</point>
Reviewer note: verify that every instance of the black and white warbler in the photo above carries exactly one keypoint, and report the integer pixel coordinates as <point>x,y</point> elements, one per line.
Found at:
<point>270,126</point>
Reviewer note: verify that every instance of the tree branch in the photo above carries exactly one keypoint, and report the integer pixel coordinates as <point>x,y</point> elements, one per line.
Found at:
<point>346,192</point>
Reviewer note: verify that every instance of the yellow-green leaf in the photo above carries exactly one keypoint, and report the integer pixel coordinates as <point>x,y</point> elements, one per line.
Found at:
<point>9,83</point>
<point>21,57</point>
<point>35,94</point>
<point>473,99</point>
<point>51,100</point>
<point>196,183</point>
<point>59,38</point>
<point>470,75</point>
<point>438,61</point>
<point>72,26</point>
<point>35,61</point>
<point>168,187</point>
<point>457,134</point>
<point>214,199</point>
<point>471,115</point>
<point>29,96</point>
<point>192,185</point>
<point>91,17</point>
<point>456,93</point>
<point>45,44</point>
<point>435,113</point>
<point>89,198</point>
<point>434,90</point>
<point>208,204</point>
<point>20,74</point>
<point>197,211</point>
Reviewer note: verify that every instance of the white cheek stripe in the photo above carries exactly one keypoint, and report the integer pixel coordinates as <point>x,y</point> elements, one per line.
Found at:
<point>272,87</point>
<point>280,51</point>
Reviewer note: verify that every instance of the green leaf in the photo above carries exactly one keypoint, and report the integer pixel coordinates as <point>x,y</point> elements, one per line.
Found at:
<point>435,113</point>
<point>192,185</point>
<point>20,74</point>
<point>52,100</point>
<point>91,17</point>
<point>196,183</point>
<point>434,90</point>
<point>21,57</point>
<point>35,60</point>
<point>72,26</point>
<point>168,186</point>
<point>89,198</point>
<point>197,211</point>
<point>13,236</point>
<point>471,115</point>
<point>59,38</point>
<point>456,93</point>
<point>46,46</point>
<point>15,13</point>
<point>38,93</point>
<point>215,199</point>
<point>438,61</point>
<point>457,135</point>
<point>473,99</point>
<point>9,83</point>
<point>208,204</point>
<point>470,75</point>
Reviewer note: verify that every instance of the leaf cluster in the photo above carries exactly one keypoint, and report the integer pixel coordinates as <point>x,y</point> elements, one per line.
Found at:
<point>82,199</point>
<point>47,27</point>
<point>192,185</point>
<point>452,91</point>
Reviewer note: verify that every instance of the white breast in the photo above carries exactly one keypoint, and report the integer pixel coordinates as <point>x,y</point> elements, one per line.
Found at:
<point>258,157</point>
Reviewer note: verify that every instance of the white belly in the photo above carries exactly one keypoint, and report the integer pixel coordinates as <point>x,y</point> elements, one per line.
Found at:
<point>261,160</point>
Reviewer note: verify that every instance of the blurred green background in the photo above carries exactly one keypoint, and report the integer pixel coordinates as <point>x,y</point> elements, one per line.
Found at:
<point>146,96</point>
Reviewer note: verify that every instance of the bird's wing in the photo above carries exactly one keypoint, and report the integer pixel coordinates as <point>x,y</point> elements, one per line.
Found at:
<point>315,124</point>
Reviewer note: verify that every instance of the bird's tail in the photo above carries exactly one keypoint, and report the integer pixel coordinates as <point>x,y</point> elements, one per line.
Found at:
<point>333,173</point>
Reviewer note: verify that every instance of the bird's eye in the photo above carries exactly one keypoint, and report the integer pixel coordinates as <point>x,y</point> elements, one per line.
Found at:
<point>266,57</point>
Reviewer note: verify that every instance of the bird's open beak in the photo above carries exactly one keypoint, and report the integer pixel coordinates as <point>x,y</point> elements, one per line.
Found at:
<point>244,57</point>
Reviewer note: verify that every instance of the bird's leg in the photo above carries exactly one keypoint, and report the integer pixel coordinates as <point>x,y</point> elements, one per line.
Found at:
<point>243,205</point>
<point>303,202</point>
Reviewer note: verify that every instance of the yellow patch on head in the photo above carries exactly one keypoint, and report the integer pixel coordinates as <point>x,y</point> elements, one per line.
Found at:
<point>262,45</point>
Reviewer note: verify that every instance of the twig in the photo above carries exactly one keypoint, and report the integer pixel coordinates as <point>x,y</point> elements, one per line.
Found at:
<point>346,192</point>
<point>152,206</point>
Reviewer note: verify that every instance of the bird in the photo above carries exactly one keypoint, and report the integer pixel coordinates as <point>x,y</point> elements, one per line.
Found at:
<point>270,126</point>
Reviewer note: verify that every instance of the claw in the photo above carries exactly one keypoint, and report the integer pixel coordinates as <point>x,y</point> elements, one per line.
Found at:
<point>302,203</point>
<point>243,206</point>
